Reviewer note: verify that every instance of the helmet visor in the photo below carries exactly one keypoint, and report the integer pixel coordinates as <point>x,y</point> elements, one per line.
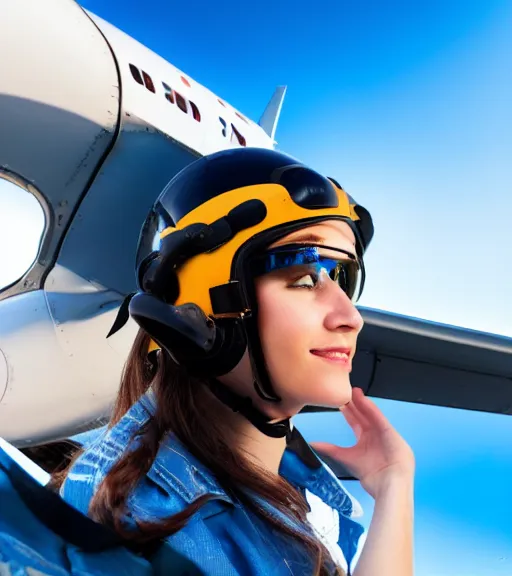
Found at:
<point>312,266</point>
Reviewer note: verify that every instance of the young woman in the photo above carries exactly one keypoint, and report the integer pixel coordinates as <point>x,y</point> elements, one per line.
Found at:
<point>246,316</point>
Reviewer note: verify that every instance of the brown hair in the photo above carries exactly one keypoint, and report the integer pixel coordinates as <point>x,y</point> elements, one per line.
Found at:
<point>181,405</point>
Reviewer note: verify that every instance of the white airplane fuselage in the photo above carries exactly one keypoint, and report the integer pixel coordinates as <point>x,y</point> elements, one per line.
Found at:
<point>94,125</point>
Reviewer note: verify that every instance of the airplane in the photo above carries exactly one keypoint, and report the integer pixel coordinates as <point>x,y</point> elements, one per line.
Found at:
<point>95,137</point>
<point>94,125</point>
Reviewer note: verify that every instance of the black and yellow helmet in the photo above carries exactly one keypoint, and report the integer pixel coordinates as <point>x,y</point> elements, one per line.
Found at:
<point>196,295</point>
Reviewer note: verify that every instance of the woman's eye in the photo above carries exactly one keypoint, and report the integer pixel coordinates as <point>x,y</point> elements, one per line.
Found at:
<point>307,281</point>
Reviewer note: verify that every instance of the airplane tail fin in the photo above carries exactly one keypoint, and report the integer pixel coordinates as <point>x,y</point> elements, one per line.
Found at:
<point>270,116</point>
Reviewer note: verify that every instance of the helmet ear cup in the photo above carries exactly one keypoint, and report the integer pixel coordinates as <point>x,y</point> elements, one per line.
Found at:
<point>173,325</point>
<point>207,348</point>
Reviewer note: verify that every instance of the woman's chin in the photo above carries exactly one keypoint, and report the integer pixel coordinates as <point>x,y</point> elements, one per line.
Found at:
<point>333,396</point>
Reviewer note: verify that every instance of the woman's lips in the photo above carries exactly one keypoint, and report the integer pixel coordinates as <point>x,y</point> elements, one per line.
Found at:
<point>337,355</point>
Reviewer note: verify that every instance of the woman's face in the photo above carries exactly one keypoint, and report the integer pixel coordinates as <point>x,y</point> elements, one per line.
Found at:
<point>308,333</point>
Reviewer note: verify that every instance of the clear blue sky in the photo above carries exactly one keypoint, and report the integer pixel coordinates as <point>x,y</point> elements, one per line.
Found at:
<point>409,106</point>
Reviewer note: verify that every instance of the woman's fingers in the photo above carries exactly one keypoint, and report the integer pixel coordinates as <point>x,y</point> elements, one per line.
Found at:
<point>343,455</point>
<point>363,415</point>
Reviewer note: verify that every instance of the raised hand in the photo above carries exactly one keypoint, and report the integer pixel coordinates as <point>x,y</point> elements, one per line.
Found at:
<point>380,455</point>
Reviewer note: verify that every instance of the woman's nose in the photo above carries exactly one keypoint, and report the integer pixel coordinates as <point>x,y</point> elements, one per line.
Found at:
<point>342,311</point>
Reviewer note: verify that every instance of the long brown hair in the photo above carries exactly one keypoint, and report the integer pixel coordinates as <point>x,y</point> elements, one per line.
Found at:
<point>180,408</point>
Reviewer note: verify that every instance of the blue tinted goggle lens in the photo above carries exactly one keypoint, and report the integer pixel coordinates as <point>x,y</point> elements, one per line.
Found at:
<point>346,270</point>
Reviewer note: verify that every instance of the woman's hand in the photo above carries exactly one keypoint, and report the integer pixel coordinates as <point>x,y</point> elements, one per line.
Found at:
<point>384,464</point>
<point>380,456</point>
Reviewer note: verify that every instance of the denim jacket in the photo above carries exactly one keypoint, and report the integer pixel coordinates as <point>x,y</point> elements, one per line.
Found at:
<point>224,538</point>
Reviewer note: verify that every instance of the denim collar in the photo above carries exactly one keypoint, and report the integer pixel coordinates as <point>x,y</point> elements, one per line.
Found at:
<point>175,466</point>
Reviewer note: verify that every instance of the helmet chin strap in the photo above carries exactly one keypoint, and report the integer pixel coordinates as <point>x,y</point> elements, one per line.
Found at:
<point>246,408</point>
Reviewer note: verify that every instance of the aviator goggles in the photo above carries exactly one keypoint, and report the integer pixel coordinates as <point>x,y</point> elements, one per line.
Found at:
<point>319,262</point>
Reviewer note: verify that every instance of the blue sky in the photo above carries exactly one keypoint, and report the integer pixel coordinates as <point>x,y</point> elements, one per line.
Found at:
<point>409,106</point>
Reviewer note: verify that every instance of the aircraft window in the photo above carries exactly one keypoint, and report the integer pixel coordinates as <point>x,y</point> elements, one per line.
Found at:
<point>239,137</point>
<point>22,223</point>
<point>221,102</point>
<point>195,111</point>
<point>148,82</point>
<point>136,74</point>
<point>241,117</point>
<point>168,93</point>
<point>181,102</point>
<point>185,81</point>
<point>224,126</point>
